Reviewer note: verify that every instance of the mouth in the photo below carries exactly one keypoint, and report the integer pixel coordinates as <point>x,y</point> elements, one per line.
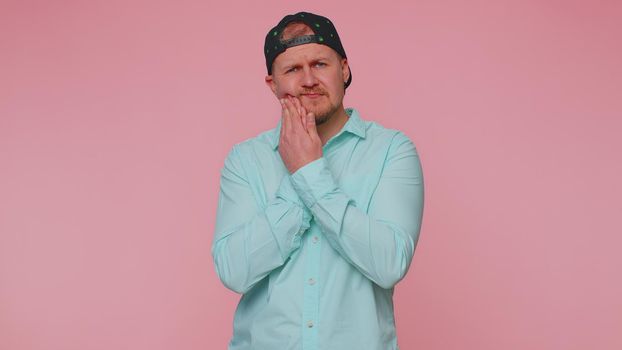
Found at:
<point>311,96</point>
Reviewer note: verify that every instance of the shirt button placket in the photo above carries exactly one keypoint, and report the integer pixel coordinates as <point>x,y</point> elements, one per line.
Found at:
<point>311,292</point>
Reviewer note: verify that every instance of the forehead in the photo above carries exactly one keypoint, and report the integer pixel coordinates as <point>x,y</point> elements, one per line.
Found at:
<point>305,52</point>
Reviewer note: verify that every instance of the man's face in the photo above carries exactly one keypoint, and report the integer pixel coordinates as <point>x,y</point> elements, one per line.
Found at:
<point>315,74</point>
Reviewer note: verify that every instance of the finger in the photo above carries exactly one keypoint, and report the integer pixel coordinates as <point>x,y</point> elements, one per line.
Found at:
<point>293,109</point>
<point>305,119</point>
<point>298,105</point>
<point>310,122</point>
<point>285,121</point>
<point>302,112</point>
<point>295,122</point>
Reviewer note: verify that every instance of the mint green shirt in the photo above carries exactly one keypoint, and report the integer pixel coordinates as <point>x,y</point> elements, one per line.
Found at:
<point>316,254</point>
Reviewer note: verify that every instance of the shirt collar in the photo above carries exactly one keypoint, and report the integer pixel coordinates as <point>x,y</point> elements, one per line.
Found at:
<point>355,125</point>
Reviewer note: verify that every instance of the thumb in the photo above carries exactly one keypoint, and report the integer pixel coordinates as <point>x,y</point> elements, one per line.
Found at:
<point>311,123</point>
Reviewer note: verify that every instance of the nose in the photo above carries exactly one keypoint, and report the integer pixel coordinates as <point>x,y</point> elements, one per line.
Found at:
<point>308,78</point>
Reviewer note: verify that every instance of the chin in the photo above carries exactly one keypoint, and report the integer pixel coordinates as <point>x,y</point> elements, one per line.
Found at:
<point>321,120</point>
<point>322,117</point>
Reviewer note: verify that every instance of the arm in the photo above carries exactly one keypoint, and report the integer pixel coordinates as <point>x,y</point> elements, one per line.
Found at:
<point>380,243</point>
<point>250,242</point>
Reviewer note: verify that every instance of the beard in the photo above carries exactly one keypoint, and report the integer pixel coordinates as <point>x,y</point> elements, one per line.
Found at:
<point>323,112</point>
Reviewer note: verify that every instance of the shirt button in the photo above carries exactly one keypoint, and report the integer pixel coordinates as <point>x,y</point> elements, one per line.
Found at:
<point>310,324</point>
<point>311,281</point>
<point>315,239</point>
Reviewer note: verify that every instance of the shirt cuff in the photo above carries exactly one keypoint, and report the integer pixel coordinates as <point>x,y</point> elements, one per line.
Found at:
<point>286,192</point>
<point>313,181</point>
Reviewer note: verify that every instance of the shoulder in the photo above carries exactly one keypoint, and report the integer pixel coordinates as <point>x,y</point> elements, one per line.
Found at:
<point>398,151</point>
<point>257,144</point>
<point>391,143</point>
<point>376,132</point>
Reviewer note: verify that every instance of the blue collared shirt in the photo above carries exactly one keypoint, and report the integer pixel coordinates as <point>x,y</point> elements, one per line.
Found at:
<point>316,254</point>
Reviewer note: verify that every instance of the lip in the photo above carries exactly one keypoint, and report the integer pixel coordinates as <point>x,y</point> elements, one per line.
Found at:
<point>311,95</point>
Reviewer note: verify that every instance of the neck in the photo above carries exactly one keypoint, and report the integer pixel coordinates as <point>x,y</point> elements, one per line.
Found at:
<point>333,125</point>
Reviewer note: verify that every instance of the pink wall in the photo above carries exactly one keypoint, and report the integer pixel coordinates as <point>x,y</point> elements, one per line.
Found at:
<point>115,117</point>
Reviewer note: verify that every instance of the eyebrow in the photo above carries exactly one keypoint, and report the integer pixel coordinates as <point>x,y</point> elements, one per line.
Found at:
<point>315,60</point>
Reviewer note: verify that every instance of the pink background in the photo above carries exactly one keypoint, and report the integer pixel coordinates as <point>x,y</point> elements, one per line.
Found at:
<point>116,116</point>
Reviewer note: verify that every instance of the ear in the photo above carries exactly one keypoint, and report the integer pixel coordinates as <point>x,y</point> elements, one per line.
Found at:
<point>271,84</point>
<point>345,70</point>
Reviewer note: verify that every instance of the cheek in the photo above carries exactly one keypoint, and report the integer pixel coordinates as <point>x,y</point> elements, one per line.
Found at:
<point>333,83</point>
<point>284,88</point>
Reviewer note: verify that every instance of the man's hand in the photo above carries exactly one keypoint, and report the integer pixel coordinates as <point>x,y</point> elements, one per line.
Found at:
<point>299,142</point>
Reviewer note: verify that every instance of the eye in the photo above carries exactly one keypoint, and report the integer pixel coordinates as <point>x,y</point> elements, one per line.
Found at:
<point>293,69</point>
<point>320,64</point>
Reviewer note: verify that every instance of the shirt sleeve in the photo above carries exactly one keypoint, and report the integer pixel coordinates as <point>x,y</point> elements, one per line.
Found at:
<point>249,241</point>
<point>381,242</point>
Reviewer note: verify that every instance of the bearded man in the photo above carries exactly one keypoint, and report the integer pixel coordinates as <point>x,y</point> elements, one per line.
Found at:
<point>318,218</point>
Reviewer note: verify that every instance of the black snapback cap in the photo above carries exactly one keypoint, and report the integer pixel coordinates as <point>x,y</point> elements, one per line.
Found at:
<point>325,34</point>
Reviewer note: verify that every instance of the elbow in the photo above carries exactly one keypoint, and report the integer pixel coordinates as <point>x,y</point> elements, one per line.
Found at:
<point>391,278</point>
<point>393,271</point>
<point>233,286</point>
<point>396,264</point>
<point>231,278</point>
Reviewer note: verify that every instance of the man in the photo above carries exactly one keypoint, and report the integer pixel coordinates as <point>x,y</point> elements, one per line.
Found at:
<point>319,217</point>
